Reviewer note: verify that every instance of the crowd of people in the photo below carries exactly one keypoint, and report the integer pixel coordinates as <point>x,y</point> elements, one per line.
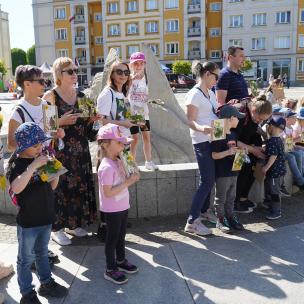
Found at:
<point>258,126</point>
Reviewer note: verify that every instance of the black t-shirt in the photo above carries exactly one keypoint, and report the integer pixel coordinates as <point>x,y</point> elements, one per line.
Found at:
<point>275,146</point>
<point>36,201</point>
<point>223,167</point>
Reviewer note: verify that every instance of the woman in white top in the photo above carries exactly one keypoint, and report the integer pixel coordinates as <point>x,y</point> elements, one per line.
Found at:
<point>201,108</point>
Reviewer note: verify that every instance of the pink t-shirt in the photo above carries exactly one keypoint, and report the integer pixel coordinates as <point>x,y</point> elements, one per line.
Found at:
<point>110,173</point>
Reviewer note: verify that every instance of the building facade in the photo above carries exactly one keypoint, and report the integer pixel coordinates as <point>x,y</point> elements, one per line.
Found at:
<point>271,32</point>
<point>5,48</point>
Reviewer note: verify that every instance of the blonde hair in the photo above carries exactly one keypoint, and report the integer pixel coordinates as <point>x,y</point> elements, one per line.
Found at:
<point>101,152</point>
<point>58,66</point>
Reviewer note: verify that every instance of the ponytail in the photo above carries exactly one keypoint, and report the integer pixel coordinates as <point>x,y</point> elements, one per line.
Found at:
<point>199,69</point>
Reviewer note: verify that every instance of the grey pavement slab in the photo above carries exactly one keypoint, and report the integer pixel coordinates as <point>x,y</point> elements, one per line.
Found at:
<point>234,270</point>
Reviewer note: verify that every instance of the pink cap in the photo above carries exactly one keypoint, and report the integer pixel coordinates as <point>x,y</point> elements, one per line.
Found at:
<point>137,56</point>
<point>111,131</point>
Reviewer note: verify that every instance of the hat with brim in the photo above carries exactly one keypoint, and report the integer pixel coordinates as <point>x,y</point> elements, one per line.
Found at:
<point>112,131</point>
<point>300,114</point>
<point>228,111</point>
<point>287,113</point>
<point>29,134</point>
<point>137,56</point>
<point>278,121</point>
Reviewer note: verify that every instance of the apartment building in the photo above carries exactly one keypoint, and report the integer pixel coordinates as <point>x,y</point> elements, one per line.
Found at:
<point>300,44</point>
<point>5,48</point>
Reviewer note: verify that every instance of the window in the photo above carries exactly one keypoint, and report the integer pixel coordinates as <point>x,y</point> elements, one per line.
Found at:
<point>114,30</point>
<point>131,6</point>
<point>235,42</point>
<point>62,53</point>
<point>301,65</point>
<point>258,44</point>
<point>152,27</point>
<point>113,8</point>
<point>151,4</point>
<point>61,34</point>
<point>259,19</point>
<point>172,48</point>
<point>98,17</point>
<point>283,17</point>
<point>132,49</point>
<point>154,48</point>
<point>282,42</point>
<point>98,40</point>
<point>236,21</point>
<point>301,17</point>
<point>99,60</point>
<point>215,54</point>
<point>172,25</point>
<point>301,41</point>
<point>132,28</point>
<point>233,1</point>
<point>171,4</point>
<point>60,13</point>
<point>215,6</point>
<point>215,32</point>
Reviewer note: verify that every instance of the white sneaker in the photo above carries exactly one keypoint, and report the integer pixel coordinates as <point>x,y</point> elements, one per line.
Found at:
<point>5,270</point>
<point>208,216</point>
<point>80,232</point>
<point>60,238</point>
<point>151,166</point>
<point>197,227</point>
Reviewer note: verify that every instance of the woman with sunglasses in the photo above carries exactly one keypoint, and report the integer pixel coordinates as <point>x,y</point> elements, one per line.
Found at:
<point>201,108</point>
<point>75,202</point>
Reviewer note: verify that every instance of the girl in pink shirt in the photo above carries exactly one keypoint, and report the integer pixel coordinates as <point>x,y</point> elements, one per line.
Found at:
<point>114,201</point>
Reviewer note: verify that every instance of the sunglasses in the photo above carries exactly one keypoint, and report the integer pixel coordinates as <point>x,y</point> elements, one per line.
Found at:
<point>215,75</point>
<point>120,72</point>
<point>41,81</point>
<point>70,71</point>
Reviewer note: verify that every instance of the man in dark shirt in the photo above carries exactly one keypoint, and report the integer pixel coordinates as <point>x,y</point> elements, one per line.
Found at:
<point>231,83</point>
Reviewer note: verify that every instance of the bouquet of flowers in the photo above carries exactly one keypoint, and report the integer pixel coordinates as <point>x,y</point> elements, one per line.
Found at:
<point>128,163</point>
<point>136,116</point>
<point>86,106</point>
<point>51,170</point>
<point>239,159</point>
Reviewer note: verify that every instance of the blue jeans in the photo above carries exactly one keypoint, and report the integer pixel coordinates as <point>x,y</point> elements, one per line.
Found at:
<point>295,162</point>
<point>33,246</point>
<point>201,199</point>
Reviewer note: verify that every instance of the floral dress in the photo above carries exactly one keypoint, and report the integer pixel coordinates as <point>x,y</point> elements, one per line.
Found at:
<point>75,203</point>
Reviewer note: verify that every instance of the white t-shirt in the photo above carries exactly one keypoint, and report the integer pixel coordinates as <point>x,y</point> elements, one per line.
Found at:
<point>138,97</point>
<point>205,113</point>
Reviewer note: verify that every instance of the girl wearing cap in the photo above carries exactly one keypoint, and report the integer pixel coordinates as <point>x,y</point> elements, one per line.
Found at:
<point>138,97</point>
<point>114,201</point>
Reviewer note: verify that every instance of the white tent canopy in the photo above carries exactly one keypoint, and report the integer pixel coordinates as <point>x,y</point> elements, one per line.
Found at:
<point>46,68</point>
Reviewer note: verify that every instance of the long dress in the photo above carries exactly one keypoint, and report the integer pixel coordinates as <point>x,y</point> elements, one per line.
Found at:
<point>75,202</point>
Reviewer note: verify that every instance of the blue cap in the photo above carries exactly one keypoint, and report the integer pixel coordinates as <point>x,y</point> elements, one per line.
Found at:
<point>287,112</point>
<point>300,114</point>
<point>29,134</point>
<point>278,121</point>
<point>276,109</point>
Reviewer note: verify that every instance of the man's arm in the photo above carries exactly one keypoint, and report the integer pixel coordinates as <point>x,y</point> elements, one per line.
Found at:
<point>221,96</point>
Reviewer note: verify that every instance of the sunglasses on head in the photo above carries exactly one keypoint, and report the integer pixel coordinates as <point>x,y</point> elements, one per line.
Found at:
<point>41,81</point>
<point>120,72</point>
<point>70,71</point>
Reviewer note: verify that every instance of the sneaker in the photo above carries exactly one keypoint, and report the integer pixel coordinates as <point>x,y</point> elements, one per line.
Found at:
<point>197,227</point>
<point>30,298</point>
<point>102,233</point>
<point>235,223</point>
<point>116,277</point>
<point>52,289</point>
<point>284,192</point>
<point>265,204</point>
<point>60,238</point>
<point>149,165</point>
<point>127,267</point>
<point>249,204</point>
<point>223,225</point>
<point>273,215</point>
<point>241,208</point>
<point>208,216</point>
<point>79,232</point>
<point>5,270</point>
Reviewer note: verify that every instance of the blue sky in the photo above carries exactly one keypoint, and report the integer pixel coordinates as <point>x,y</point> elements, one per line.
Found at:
<point>20,22</point>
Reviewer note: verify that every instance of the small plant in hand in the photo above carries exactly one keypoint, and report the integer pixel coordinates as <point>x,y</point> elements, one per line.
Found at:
<point>87,106</point>
<point>136,118</point>
<point>48,171</point>
<point>128,163</point>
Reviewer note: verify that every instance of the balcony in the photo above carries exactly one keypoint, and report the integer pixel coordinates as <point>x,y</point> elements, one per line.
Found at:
<point>82,60</point>
<point>194,55</point>
<point>80,40</point>
<point>194,31</point>
<point>79,19</point>
<point>194,8</point>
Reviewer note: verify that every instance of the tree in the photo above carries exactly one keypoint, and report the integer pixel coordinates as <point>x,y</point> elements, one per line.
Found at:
<point>31,55</point>
<point>181,67</point>
<point>3,69</point>
<point>247,65</point>
<point>18,58</point>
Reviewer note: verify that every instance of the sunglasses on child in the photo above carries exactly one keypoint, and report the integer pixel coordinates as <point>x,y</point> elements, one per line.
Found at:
<point>41,81</point>
<point>120,72</point>
<point>70,71</point>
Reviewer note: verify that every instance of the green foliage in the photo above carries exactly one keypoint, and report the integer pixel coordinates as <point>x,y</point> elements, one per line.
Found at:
<point>3,69</point>
<point>31,55</point>
<point>18,58</point>
<point>247,65</point>
<point>181,67</point>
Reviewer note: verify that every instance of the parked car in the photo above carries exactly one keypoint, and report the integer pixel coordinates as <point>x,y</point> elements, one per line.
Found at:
<point>180,81</point>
